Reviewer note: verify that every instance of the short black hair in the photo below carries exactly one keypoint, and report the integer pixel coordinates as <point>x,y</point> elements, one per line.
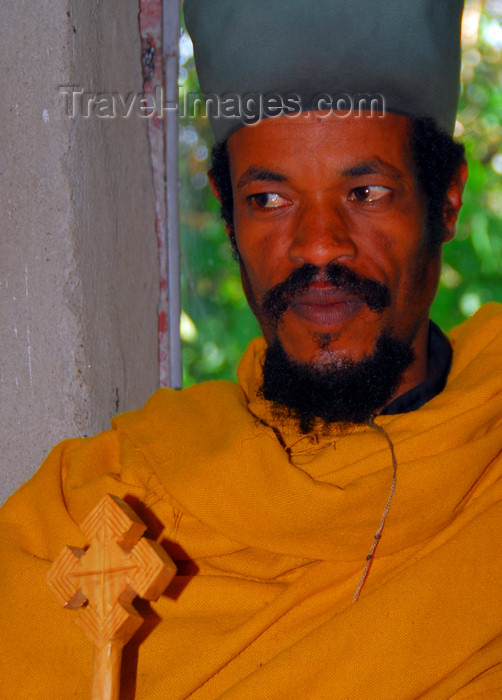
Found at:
<point>220,175</point>
<point>437,158</point>
<point>436,155</point>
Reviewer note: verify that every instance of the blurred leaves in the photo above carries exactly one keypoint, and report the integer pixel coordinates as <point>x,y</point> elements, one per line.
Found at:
<point>473,261</point>
<point>217,324</point>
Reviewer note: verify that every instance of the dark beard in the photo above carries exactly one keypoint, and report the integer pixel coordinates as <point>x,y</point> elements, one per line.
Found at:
<point>343,391</point>
<point>338,391</point>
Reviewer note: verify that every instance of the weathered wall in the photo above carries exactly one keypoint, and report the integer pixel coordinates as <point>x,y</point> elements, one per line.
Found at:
<point>78,257</point>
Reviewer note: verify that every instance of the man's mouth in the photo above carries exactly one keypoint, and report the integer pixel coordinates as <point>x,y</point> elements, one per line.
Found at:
<point>324,297</point>
<point>325,306</point>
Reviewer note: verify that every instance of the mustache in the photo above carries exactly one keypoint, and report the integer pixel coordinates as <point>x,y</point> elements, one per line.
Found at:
<point>278,298</point>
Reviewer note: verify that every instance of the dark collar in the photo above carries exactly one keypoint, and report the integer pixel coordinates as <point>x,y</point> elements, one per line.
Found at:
<point>440,354</point>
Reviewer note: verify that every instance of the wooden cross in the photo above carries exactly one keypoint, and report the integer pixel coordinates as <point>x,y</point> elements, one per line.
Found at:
<point>117,566</point>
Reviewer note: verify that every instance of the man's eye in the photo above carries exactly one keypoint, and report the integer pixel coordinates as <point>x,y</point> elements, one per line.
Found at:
<point>371,193</point>
<point>268,200</point>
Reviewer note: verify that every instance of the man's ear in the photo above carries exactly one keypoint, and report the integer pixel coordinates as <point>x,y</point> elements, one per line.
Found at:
<point>454,201</point>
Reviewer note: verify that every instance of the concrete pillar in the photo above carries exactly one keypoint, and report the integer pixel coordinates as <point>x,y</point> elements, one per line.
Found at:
<point>78,255</point>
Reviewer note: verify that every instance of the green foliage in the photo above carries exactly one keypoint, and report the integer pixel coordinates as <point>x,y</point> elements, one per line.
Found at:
<point>473,261</point>
<point>217,323</point>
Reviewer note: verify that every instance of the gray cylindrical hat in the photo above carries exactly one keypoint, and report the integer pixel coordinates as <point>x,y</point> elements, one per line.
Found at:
<point>256,57</point>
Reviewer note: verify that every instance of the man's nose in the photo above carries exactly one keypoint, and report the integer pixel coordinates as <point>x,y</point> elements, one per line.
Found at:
<point>322,234</point>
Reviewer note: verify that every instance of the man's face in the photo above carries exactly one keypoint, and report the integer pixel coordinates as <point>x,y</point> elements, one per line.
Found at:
<point>318,190</point>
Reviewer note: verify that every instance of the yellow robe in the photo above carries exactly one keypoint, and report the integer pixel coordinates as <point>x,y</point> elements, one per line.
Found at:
<point>270,530</point>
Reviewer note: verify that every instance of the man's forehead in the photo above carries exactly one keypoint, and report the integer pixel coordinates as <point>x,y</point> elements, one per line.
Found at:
<point>325,126</point>
<point>353,146</point>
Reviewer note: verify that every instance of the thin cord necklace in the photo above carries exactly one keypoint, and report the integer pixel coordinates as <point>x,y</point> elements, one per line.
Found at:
<point>369,558</point>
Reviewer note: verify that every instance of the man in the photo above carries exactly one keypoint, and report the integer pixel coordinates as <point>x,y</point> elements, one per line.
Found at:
<point>335,517</point>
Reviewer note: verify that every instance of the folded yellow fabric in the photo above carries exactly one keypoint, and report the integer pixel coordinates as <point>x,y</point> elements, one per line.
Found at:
<point>270,530</point>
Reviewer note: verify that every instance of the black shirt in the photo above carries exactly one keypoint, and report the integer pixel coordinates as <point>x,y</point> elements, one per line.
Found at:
<point>440,354</point>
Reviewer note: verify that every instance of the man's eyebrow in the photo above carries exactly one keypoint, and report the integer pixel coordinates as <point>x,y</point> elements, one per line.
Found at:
<point>375,166</point>
<point>252,174</point>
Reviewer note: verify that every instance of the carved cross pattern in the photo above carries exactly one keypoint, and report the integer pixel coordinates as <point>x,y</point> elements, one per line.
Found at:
<point>117,566</point>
